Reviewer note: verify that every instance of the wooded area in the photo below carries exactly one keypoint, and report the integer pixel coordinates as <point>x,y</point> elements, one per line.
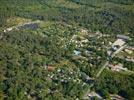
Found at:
<point>41,65</point>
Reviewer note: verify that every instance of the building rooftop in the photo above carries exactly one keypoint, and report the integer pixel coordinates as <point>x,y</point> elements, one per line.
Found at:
<point>119,42</point>
<point>77,52</point>
<point>123,37</point>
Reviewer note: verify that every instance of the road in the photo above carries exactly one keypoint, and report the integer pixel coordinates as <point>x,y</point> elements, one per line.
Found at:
<point>107,62</point>
<point>117,51</point>
<point>101,70</point>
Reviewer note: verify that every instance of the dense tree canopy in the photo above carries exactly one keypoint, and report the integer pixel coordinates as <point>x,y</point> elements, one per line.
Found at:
<point>40,64</point>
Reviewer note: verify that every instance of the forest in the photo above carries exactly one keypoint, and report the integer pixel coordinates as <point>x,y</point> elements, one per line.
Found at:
<point>39,64</point>
<point>109,16</point>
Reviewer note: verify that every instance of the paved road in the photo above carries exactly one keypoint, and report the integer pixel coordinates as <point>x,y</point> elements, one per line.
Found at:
<point>101,70</point>
<point>107,62</point>
<point>117,51</point>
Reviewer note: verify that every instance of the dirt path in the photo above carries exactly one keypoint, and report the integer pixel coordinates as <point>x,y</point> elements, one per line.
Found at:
<point>16,27</point>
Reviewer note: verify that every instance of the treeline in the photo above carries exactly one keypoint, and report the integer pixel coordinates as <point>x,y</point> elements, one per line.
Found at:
<point>94,15</point>
<point>111,83</point>
<point>126,2</point>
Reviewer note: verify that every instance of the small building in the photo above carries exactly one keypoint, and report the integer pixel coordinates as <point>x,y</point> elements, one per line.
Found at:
<point>9,29</point>
<point>92,95</point>
<point>84,31</point>
<point>118,42</point>
<point>5,31</point>
<point>77,53</point>
<point>84,41</point>
<point>118,67</point>
<point>128,51</point>
<point>123,37</point>
<point>49,68</point>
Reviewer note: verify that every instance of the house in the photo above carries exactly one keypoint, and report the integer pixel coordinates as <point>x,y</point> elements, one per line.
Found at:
<point>118,45</point>
<point>123,37</point>
<point>84,31</point>
<point>128,51</point>
<point>49,68</point>
<point>84,41</point>
<point>118,67</point>
<point>77,53</point>
<point>9,29</point>
<point>91,95</point>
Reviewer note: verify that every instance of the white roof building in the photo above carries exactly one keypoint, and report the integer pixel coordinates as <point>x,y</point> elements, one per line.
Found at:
<point>119,42</point>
